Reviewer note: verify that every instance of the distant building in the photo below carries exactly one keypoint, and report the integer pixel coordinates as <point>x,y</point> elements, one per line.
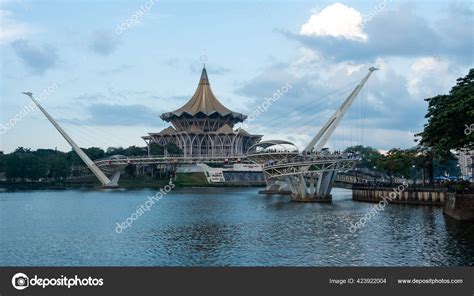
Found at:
<point>466,164</point>
<point>204,127</point>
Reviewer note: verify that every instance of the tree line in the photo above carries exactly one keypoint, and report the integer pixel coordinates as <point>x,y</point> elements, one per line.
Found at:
<point>25,163</point>
<point>414,163</point>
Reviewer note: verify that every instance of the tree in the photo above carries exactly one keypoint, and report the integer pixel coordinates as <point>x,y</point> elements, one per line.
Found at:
<point>397,162</point>
<point>2,162</point>
<point>44,153</point>
<point>173,149</point>
<point>136,151</point>
<point>369,156</point>
<point>94,152</point>
<point>448,116</point>
<point>12,167</point>
<point>156,149</point>
<point>424,161</point>
<point>22,150</point>
<point>115,151</point>
<point>25,165</point>
<point>58,167</point>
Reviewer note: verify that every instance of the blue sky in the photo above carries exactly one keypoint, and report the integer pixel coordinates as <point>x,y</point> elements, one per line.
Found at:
<point>113,87</point>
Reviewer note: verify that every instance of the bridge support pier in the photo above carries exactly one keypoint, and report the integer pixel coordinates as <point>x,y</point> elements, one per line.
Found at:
<point>275,187</point>
<point>304,189</point>
<point>115,178</point>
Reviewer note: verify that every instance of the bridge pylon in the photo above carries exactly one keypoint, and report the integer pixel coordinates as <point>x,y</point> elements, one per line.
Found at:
<point>106,182</point>
<point>309,175</point>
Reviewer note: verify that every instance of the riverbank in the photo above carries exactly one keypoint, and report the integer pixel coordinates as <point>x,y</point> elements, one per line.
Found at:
<point>420,196</point>
<point>457,205</point>
<point>90,182</point>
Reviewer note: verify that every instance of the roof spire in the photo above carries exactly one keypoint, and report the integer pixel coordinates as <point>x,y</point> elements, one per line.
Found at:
<point>204,79</point>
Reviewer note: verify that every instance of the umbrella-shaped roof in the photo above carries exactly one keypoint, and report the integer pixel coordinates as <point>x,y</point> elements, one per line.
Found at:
<point>205,102</point>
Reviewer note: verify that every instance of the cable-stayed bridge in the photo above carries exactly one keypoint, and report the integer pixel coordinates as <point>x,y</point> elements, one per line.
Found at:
<point>309,174</point>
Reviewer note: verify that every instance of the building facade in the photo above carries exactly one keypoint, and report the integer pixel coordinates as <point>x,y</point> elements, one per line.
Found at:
<point>203,127</point>
<point>466,164</point>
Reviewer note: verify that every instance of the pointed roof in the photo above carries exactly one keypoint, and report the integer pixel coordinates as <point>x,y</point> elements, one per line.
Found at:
<point>225,129</point>
<point>194,129</point>
<point>242,131</point>
<point>203,101</point>
<point>168,131</point>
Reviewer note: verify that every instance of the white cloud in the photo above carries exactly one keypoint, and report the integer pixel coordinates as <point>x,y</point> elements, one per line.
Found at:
<point>11,30</point>
<point>310,64</point>
<point>430,76</point>
<point>336,20</point>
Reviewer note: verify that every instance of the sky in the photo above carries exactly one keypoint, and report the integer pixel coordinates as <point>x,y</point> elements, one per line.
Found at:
<point>106,70</point>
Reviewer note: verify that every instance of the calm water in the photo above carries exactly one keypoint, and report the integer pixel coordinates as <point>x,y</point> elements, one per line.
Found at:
<point>221,227</point>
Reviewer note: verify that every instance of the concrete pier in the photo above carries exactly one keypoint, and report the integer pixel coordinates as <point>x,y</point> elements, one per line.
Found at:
<point>460,206</point>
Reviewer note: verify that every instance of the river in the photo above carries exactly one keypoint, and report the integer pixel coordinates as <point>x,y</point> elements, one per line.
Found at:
<point>222,227</point>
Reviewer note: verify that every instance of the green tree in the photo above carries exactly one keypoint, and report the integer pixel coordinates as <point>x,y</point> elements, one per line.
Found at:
<point>173,149</point>
<point>136,151</point>
<point>2,162</point>
<point>25,165</point>
<point>22,150</point>
<point>156,149</point>
<point>58,167</point>
<point>369,156</point>
<point>424,163</point>
<point>12,166</point>
<point>115,151</point>
<point>94,152</point>
<point>45,153</point>
<point>448,115</point>
<point>397,162</point>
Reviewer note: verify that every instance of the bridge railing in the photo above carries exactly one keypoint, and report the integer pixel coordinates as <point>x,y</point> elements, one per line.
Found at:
<point>170,158</point>
<point>309,159</point>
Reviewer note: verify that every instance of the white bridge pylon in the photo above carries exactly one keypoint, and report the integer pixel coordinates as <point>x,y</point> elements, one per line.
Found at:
<point>309,175</point>
<point>106,182</point>
<point>326,131</point>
